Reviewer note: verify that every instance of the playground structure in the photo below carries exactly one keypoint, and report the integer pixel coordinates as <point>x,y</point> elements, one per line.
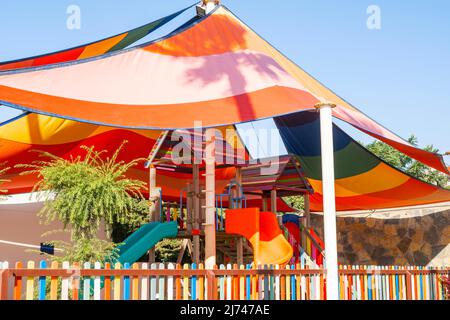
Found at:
<point>242,231</point>
<point>220,204</point>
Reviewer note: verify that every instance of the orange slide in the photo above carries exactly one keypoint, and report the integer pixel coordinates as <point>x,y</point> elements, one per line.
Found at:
<point>263,232</point>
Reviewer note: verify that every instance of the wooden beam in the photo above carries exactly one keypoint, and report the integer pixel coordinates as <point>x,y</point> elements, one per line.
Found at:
<point>189,207</point>
<point>273,200</point>
<point>154,210</point>
<point>210,195</point>
<point>293,189</point>
<point>159,142</point>
<point>182,251</point>
<point>265,207</point>
<point>240,240</point>
<point>307,210</point>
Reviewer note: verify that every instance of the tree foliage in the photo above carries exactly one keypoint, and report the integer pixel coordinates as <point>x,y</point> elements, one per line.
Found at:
<point>167,250</point>
<point>399,161</point>
<point>85,192</point>
<point>296,202</point>
<point>407,164</point>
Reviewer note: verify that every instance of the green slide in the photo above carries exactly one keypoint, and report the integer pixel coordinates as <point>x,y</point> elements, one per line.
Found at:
<point>145,238</point>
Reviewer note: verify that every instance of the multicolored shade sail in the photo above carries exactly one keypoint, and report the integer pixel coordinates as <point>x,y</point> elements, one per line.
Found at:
<point>94,49</point>
<point>363,181</point>
<point>215,70</point>
<point>65,137</point>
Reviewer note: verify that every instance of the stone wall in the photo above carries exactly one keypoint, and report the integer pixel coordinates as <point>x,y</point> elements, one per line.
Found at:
<point>420,239</point>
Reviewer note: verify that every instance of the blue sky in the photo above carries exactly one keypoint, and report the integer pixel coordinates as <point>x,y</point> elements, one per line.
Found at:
<point>399,75</point>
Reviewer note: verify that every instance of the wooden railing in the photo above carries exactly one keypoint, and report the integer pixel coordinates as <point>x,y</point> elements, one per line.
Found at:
<point>191,282</point>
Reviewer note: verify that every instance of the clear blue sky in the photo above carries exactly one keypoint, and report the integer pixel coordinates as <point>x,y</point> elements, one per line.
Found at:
<point>399,75</point>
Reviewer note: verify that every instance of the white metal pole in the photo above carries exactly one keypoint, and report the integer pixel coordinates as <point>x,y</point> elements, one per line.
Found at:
<point>329,201</point>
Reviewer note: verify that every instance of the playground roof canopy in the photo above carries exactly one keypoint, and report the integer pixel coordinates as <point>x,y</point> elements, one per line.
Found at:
<point>215,70</point>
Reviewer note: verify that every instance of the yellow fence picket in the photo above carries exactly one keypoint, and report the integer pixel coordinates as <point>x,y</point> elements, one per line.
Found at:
<point>201,284</point>
<point>117,283</point>
<point>135,284</point>
<point>30,283</point>
<point>242,284</point>
<point>186,284</point>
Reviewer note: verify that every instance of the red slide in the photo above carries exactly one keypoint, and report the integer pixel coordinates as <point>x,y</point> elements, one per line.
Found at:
<point>263,232</point>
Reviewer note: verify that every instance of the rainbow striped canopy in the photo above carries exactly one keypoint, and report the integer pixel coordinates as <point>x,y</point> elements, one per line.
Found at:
<point>363,181</point>
<point>64,138</point>
<point>215,70</point>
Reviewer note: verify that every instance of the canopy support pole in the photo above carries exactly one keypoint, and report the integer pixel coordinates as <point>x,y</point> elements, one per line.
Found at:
<point>210,195</point>
<point>329,200</point>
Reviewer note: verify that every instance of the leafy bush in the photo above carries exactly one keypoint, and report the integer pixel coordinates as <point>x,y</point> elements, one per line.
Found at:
<point>85,192</point>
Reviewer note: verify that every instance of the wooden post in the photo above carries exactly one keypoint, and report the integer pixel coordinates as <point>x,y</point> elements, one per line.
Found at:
<point>210,195</point>
<point>240,240</point>
<point>307,211</point>
<point>182,251</point>
<point>196,213</point>
<point>306,220</point>
<point>264,203</point>
<point>154,214</point>
<point>189,208</point>
<point>273,201</point>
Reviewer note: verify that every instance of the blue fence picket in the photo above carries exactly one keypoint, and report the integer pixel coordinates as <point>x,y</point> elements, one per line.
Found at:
<point>194,284</point>
<point>248,284</point>
<point>126,283</point>
<point>293,286</point>
<point>42,281</point>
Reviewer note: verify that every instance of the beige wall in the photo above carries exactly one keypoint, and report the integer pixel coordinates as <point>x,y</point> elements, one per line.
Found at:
<point>19,223</point>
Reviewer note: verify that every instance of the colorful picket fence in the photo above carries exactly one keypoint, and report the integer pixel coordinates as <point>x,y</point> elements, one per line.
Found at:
<point>142,281</point>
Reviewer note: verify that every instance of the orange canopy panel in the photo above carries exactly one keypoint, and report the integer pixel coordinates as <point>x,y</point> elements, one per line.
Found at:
<point>215,70</point>
<point>65,137</point>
